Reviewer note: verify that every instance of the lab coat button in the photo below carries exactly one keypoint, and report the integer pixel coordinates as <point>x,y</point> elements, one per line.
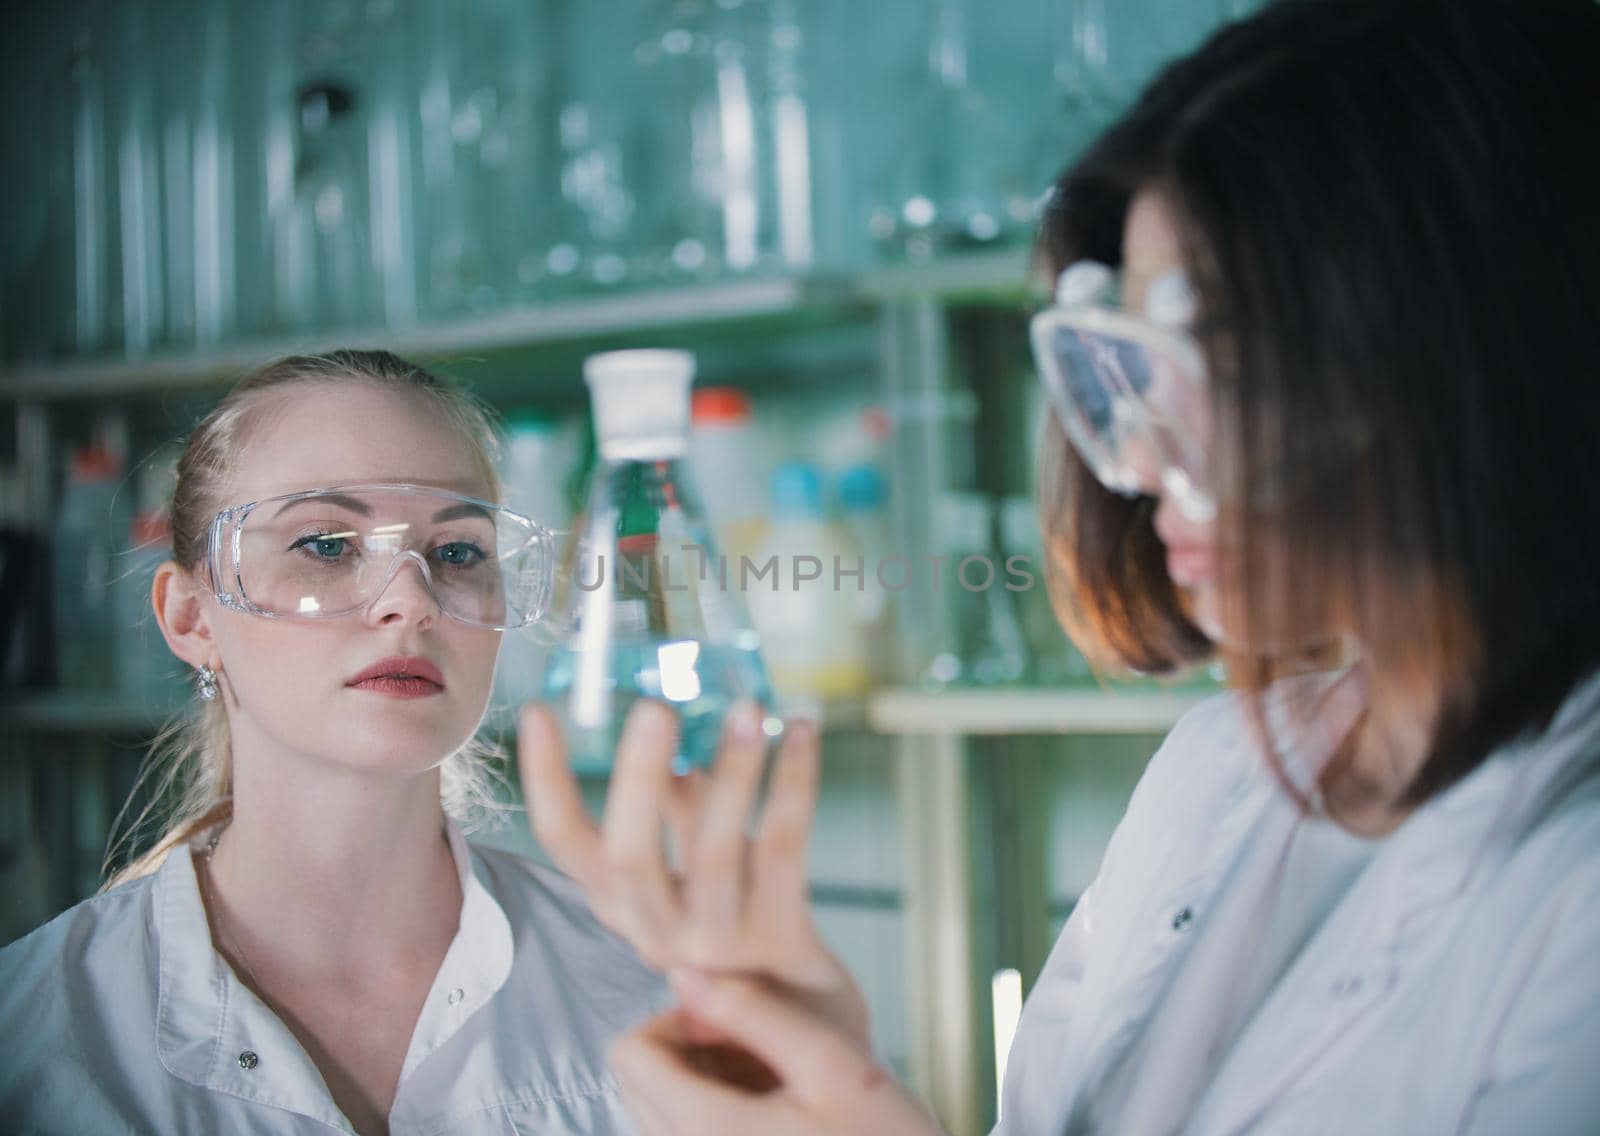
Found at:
<point>247,1060</point>
<point>456,995</point>
<point>1347,987</point>
<point>1181,919</point>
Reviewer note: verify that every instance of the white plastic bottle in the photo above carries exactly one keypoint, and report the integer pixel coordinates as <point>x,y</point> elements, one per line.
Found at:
<point>541,450</point>
<point>729,464</point>
<point>863,511</point>
<point>803,602</point>
<point>147,672</point>
<point>540,453</point>
<point>91,524</point>
<point>1053,658</point>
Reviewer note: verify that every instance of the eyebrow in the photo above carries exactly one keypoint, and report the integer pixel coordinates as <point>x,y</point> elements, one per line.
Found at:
<point>339,500</point>
<point>355,505</point>
<point>462,509</point>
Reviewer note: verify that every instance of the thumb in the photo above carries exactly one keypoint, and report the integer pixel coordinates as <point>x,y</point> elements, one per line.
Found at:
<point>815,1062</point>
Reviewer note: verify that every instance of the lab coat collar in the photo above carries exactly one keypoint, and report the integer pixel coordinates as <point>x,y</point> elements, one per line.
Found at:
<point>1435,851</point>
<point>212,1031</point>
<point>1425,864</point>
<point>1305,716</point>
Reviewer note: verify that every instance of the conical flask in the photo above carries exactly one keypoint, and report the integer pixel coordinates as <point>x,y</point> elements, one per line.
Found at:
<point>647,607</point>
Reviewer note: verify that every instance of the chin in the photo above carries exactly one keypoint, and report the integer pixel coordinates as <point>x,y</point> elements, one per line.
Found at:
<point>406,747</point>
<point>1205,612</point>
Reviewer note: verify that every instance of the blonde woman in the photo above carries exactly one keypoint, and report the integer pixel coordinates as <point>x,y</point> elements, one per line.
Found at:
<point>314,946</point>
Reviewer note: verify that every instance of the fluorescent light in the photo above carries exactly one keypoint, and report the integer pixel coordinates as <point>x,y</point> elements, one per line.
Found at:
<point>1006,990</point>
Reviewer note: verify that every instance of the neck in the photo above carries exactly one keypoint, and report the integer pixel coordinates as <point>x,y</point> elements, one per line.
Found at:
<point>1365,779</point>
<point>327,870</point>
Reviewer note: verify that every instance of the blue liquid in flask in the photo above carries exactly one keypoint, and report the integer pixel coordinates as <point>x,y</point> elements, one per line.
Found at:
<point>700,681</point>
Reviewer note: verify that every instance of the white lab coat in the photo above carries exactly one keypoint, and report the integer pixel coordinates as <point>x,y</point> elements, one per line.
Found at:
<point>1455,987</point>
<point>119,1016</point>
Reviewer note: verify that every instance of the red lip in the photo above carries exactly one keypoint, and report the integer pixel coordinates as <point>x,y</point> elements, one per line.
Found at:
<point>402,668</point>
<point>1190,564</point>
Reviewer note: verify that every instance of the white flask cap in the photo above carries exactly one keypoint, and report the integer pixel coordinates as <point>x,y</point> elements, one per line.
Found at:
<point>641,403</point>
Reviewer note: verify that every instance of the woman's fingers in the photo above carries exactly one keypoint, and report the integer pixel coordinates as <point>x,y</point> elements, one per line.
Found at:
<point>814,1062</point>
<point>560,820</point>
<point>683,806</point>
<point>825,1084</point>
<point>661,1081</point>
<point>636,807</point>
<point>741,902</point>
<point>785,829</point>
<point>715,864</point>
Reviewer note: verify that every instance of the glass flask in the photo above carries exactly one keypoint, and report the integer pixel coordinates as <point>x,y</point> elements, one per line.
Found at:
<point>704,214</point>
<point>319,147</point>
<point>485,139</point>
<point>337,166</point>
<point>960,178</point>
<point>96,234</point>
<point>602,123</point>
<point>193,110</point>
<point>646,607</point>
<point>132,121</point>
<point>261,135</point>
<point>987,648</point>
<point>1104,54</point>
<point>731,152</point>
<point>328,230</point>
<point>37,265</point>
<point>1088,89</point>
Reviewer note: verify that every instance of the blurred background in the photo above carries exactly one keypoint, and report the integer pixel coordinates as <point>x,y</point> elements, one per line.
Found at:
<point>830,201</point>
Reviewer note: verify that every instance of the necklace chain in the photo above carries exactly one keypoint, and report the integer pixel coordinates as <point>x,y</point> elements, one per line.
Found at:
<point>228,939</point>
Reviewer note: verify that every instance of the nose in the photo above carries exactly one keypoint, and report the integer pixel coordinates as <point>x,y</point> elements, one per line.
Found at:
<point>405,595</point>
<point>1175,526</point>
<point>1141,456</point>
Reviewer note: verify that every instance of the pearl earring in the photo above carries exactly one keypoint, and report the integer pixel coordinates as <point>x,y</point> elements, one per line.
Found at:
<point>206,679</point>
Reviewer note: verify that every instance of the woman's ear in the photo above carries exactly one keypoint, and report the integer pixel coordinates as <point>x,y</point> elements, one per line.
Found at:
<point>180,607</point>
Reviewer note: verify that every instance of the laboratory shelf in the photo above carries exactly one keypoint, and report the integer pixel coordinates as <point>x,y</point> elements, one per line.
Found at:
<point>996,274</point>
<point>836,715</point>
<point>83,712</point>
<point>1002,710</point>
<point>994,710</point>
<point>97,712</point>
<point>559,321</point>
<point>755,302</point>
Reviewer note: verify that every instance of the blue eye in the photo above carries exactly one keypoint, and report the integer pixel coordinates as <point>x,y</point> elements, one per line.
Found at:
<point>459,554</point>
<point>322,547</point>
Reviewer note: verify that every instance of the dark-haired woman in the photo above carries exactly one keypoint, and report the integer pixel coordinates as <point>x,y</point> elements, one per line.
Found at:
<point>1322,347</point>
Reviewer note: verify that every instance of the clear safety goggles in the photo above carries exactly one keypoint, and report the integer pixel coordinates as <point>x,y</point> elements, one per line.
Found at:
<point>329,552</point>
<point>1130,391</point>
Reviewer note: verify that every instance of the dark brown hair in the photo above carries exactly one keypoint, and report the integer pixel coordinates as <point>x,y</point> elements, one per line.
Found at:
<point>1391,213</point>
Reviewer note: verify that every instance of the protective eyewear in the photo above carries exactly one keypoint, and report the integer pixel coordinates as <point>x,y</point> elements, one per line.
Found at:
<point>1130,391</point>
<point>328,552</point>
